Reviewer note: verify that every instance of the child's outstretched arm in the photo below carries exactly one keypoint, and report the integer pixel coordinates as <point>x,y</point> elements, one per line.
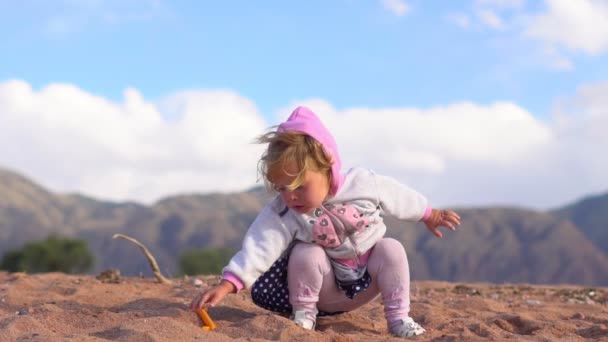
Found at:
<point>266,239</point>
<point>407,204</point>
<point>438,218</point>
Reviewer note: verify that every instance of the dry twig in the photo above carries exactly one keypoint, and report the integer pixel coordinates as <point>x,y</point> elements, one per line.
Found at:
<point>149,256</point>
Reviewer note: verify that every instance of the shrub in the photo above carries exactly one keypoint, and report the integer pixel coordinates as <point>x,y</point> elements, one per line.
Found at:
<point>55,254</point>
<point>206,261</point>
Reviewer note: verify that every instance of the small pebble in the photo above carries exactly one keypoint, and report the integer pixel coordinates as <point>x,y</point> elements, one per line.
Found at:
<point>578,315</point>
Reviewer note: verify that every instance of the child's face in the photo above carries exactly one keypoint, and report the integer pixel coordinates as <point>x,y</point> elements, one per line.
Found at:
<point>306,197</point>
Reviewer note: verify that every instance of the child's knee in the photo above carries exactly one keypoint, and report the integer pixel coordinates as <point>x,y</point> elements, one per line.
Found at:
<point>390,249</point>
<point>307,254</point>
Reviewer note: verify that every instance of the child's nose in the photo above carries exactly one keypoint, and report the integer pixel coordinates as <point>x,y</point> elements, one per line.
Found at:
<point>291,195</point>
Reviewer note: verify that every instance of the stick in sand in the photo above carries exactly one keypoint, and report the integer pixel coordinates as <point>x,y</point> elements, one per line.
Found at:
<point>149,256</point>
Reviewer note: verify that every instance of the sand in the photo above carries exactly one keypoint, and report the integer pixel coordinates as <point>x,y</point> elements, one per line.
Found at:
<point>60,307</point>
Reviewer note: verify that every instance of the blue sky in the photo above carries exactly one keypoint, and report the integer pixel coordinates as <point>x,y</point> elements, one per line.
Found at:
<point>353,53</point>
<point>384,62</point>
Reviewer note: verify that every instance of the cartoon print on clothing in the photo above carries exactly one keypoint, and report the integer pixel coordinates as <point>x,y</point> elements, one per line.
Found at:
<point>331,228</point>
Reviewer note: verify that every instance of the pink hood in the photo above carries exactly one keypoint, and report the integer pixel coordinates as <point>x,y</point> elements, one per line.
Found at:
<point>304,120</point>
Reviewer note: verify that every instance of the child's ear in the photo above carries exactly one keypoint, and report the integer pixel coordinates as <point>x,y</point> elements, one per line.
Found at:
<point>330,157</point>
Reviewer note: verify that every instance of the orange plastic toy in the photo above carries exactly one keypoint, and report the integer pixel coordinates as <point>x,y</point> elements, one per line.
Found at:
<point>208,323</point>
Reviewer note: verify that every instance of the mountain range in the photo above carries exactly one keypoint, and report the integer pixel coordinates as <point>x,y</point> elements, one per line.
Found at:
<point>566,245</point>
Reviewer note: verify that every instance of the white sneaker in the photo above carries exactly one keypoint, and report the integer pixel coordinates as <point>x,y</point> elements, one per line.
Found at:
<point>406,328</point>
<point>302,319</point>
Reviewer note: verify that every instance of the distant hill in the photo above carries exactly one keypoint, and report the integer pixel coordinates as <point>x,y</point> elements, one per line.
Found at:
<point>27,211</point>
<point>492,244</point>
<point>590,214</point>
<point>505,245</point>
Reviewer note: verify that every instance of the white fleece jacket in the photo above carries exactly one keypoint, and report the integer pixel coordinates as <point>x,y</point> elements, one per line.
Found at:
<point>276,227</point>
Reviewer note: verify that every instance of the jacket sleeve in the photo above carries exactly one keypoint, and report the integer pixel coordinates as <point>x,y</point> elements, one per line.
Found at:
<point>266,239</point>
<point>399,200</point>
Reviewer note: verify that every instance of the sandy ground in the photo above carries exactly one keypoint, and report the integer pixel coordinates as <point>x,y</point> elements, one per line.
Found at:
<point>59,307</point>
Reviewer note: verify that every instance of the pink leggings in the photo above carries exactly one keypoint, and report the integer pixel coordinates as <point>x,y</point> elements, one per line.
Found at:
<point>312,285</point>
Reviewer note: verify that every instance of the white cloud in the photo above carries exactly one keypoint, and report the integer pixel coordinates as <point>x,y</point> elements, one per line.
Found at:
<point>397,7</point>
<point>562,28</point>
<point>580,25</point>
<point>462,131</point>
<point>585,115</point>
<point>454,154</point>
<point>578,156</point>
<point>71,140</point>
<point>472,154</point>
<point>463,153</point>
<point>490,19</point>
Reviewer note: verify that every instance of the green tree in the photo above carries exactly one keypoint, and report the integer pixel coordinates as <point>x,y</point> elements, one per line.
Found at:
<point>55,254</point>
<point>206,261</point>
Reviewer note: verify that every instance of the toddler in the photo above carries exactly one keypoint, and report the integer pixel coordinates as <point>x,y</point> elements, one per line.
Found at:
<point>318,248</point>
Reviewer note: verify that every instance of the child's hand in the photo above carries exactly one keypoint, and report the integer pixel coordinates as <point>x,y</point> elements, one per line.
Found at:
<point>211,297</point>
<point>445,218</point>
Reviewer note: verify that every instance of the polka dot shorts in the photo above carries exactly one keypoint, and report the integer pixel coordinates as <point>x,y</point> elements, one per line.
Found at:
<point>270,290</point>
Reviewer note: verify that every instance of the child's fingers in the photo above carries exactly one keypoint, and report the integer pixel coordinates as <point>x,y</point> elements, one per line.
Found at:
<point>446,213</point>
<point>455,218</point>
<point>213,301</point>
<point>446,223</point>
<point>453,214</point>
<point>451,217</point>
<point>436,232</point>
<point>449,226</point>
<point>199,301</point>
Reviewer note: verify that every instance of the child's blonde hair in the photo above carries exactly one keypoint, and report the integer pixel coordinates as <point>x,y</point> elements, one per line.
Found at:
<point>291,146</point>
